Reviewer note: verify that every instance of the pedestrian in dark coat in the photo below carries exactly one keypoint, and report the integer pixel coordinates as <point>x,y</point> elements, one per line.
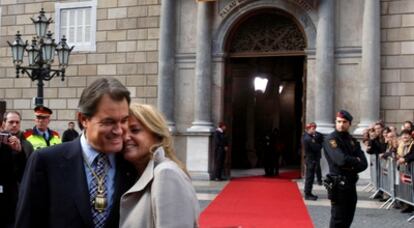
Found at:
<point>70,133</point>
<point>220,148</point>
<point>271,153</point>
<point>14,150</point>
<point>12,164</point>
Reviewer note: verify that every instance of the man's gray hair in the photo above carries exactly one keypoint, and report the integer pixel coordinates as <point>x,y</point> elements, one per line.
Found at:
<point>91,95</point>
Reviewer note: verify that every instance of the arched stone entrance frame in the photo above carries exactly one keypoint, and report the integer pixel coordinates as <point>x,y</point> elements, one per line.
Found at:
<point>304,18</point>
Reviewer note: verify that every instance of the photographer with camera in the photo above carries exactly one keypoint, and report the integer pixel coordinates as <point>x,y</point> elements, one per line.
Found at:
<point>14,150</point>
<point>345,159</point>
<point>18,142</point>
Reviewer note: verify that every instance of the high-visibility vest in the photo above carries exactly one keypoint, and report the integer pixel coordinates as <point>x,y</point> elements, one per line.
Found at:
<point>39,142</point>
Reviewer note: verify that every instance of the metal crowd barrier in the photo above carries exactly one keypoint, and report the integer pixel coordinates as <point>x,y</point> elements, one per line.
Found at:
<point>375,170</point>
<point>404,189</point>
<point>371,185</point>
<point>386,178</point>
<point>395,181</point>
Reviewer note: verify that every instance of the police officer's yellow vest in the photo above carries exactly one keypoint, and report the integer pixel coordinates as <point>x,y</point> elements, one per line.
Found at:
<point>39,142</point>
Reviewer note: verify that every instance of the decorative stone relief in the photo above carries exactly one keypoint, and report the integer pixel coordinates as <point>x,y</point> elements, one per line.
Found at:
<point>275,33</point>
<point>230,6</point>
<point>304,4</point>
<point>227,6</point>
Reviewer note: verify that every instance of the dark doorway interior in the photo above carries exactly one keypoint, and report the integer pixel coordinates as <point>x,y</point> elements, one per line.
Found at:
<point>251,114</point>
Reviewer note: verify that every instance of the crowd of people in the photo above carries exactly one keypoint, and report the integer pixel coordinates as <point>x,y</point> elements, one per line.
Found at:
<point>345,160</point>
<point>386,142</point>
<point>15,149</point>
<point>121,171</point>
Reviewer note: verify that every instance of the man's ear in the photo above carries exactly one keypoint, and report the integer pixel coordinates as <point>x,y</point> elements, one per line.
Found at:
<point>82,119</point>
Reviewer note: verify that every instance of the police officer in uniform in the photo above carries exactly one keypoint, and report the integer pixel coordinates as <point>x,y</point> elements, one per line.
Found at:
<point>41,136</point>
<point>312,143</point>
<point>345,159</point>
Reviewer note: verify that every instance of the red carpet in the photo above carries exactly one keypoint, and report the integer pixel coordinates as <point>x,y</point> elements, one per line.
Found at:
<point>258,202</point>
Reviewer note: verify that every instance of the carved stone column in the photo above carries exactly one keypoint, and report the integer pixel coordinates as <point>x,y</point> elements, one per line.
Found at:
<point>167,62</point>
<point>370,77</point>
<point>202,96</point>
<point>325,67</point>
<point>199,134</point>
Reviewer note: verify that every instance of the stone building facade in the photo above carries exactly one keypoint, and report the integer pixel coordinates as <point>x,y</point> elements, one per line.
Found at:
<point>127,34</point>
<point>196,61</point>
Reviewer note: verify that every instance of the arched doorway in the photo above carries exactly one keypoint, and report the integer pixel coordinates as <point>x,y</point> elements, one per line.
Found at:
<point>267,43</point>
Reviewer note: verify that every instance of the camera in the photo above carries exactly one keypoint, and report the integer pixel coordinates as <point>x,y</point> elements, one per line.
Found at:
<point>4,136</point>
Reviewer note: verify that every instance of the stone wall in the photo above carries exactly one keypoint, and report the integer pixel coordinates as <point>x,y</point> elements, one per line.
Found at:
<point>348,50</point>
<point>126,48</point>
<point>397,47</point>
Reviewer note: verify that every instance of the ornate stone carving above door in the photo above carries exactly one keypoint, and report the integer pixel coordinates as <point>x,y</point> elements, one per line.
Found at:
<point>308,5</point>
<point>227,6</point>
<point>267,32</point>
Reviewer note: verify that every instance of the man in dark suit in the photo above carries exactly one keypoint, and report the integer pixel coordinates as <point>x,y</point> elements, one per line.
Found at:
<point>220,148</point>
<point>70,133</point>
<point>79,183</point>
<point>271,153</point>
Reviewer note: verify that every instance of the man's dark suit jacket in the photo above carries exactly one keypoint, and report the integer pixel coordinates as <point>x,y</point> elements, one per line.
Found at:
<point>54,190</point>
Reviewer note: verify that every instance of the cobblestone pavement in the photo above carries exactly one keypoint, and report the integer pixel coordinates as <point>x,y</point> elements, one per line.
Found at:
<point>367,215</point>
<point>207,191</point>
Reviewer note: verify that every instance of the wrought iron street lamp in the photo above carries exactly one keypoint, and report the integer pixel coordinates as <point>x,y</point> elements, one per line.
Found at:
<point>40,53</point>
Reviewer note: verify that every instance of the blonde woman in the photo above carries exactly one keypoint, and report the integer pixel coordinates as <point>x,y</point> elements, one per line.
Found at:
<point>163,196</point>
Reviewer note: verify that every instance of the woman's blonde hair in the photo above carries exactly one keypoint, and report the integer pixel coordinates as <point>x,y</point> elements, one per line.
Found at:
<point>155,122</point>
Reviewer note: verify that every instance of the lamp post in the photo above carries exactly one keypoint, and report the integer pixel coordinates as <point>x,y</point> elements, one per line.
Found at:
<point>40,53</point>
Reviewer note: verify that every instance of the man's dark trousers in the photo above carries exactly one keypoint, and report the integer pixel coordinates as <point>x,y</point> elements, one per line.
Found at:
<point>311,167</point>
<point>343,207</point>
<point>220,156</point>
<point>318,172</point>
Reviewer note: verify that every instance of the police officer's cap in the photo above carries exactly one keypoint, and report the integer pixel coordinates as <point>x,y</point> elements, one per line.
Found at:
<point>345,115</point>
<point>42,111</point>
<point>310,125</point>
